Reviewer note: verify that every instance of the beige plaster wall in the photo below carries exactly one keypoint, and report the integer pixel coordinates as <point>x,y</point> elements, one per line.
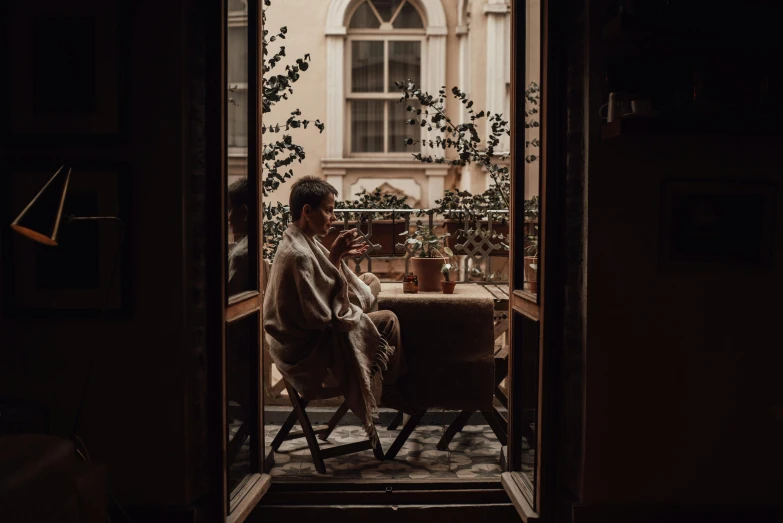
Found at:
<point>306,20</point>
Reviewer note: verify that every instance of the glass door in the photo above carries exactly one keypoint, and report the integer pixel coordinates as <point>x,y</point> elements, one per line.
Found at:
<point>236,350</point>
<point>527,284</point>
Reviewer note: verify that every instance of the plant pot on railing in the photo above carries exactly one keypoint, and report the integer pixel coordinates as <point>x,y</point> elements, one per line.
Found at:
<point>428,272</point>
<point>455,228</point>
<point>384,232</point>
<point>531,273</point>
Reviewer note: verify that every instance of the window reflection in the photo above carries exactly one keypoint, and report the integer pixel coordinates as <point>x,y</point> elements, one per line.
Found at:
<point>239,266</point>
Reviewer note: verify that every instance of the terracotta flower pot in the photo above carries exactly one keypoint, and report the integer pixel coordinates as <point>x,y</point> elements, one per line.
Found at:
<point>384,232</point>
<point>428,272</point>
<point>447,287</point>
<point>452,226</point>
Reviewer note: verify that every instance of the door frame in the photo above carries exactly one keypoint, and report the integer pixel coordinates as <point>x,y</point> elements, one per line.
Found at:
<point>547,306</point>
<point>551,242</point>
<point>220,309</point>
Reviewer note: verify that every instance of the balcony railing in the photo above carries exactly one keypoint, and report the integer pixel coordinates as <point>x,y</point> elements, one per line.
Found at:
<point>480,246</point>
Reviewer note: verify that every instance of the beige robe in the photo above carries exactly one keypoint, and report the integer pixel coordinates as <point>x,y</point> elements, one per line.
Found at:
<point>317,329</point>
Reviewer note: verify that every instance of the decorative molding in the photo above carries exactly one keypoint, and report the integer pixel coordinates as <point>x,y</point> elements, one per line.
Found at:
<point>435,15</point>
<point>335,166</point>
<point>335,95</point>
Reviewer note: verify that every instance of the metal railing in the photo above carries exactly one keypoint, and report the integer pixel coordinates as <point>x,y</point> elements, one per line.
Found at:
<point>474,242</point>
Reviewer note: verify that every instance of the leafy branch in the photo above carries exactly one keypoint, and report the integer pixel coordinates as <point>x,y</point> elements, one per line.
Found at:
<point>464,137</point>
<point>280,151</point>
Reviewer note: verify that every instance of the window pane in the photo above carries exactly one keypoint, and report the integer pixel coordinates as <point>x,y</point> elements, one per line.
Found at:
<point>367,67</point>
<point>386,8</point>
<point>526,380</point>
<point>367,126</point>
<point>399,129</point>
<point>408,18</point>
<point>404,63</point>
<point>237,118</point>
<point>242,401</point>
<point>237,6</point>
<point>364,18</point>
<point>237,54</point>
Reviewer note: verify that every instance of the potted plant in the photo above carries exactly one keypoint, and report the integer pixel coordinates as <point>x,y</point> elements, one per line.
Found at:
<point>464,139</point>
<point>385,225</point>
<point>531,261</point>
<point>447,286</point>
<point>426,256</point>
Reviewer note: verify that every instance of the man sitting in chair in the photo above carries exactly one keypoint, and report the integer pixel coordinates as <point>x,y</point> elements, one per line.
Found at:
<point>323,329</point>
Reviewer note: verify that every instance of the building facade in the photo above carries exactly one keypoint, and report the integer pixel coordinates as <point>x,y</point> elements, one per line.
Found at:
<point>358,50</point>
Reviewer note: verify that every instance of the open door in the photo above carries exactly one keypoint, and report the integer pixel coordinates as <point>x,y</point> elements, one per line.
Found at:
<point>533,216</point>
<point>235,232</point>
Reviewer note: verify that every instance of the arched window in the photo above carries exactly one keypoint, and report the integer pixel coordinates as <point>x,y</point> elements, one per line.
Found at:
<point>385,44</point>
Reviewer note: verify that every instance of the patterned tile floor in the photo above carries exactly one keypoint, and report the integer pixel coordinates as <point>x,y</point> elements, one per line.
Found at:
<point>473,453</point>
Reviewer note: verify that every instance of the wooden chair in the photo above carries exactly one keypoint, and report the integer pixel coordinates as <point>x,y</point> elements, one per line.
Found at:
<point>322,431</point>
<point>493,416</point>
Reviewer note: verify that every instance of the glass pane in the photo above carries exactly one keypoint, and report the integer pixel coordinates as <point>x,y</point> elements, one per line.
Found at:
<point>242,377</point>
<point>367,67</point>
<point>241,210</point>
<point>404,63</point>
<point>532,148</point>
<point>237,116</point>
<point>399,130</point>
<point>387,8</point>
<point>235,6</point>
<point>367,126</point>
<point>237,54</point>
<point>408,18</point>
<point>364,18</point>
<point>526,379</point>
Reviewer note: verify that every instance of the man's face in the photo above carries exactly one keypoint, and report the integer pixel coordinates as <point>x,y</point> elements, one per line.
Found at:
<point>322,217</point>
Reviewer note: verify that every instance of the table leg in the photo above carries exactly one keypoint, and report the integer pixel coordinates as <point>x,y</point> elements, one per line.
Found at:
<point>452,430</point>
<point>402,437</point>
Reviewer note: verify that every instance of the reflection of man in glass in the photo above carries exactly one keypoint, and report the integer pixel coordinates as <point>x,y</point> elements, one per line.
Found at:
<point>238,272</point>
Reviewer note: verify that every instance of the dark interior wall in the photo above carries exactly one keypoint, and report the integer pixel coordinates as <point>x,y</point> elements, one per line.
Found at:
<point>683,400</point>
<point>134,419</point>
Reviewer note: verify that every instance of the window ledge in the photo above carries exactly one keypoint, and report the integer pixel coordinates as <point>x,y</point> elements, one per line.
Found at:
<point>405,163</point>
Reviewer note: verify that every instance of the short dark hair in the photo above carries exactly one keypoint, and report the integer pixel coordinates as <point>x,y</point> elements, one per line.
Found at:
<point>308,190</point>
<point>239,193</point>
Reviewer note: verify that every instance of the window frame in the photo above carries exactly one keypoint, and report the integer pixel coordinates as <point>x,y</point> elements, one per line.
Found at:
<point>238,19</point>
<point>386,35</point>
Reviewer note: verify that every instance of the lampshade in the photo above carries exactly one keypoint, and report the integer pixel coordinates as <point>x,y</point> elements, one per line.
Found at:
<point>40,220</point>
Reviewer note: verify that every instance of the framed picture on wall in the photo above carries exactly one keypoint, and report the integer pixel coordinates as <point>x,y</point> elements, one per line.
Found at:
<point>65,70</point>
<point>717,224</point>
<point>74,277</point>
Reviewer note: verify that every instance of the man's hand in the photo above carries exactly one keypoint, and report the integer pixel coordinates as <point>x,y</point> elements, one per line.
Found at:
<point>348,243</point>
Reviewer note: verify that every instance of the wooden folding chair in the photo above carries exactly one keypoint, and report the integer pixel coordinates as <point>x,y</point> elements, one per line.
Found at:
<point>322,431</point>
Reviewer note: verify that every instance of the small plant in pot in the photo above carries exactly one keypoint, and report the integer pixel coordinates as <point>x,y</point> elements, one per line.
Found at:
<point>427,256</point>
<point>447,286</point>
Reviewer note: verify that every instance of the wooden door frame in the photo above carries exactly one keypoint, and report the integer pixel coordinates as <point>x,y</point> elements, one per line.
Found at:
<point>220,311</point>
<point>551,212</point>
<point>548,304</point>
